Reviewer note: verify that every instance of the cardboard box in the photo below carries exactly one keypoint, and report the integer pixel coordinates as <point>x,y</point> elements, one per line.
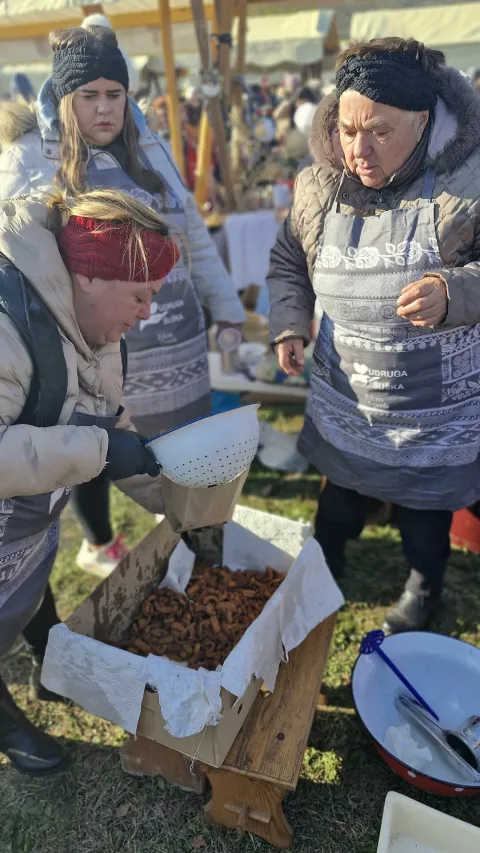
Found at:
<point>210,706</point>
<point>210,746</point>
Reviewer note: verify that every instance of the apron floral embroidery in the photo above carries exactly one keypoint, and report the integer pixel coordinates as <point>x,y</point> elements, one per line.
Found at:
<point>394,410</point>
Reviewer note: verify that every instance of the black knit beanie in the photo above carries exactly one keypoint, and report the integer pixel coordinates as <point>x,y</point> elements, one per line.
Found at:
<point>395,78</point>
<point>78,64</point>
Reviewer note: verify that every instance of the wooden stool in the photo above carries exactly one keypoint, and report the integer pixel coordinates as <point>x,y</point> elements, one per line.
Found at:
<point>144,757</point>
<point>265,760</point>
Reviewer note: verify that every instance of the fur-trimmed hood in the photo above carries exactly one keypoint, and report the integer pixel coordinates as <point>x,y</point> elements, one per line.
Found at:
<point>455,131</point>
<point>15,120</point>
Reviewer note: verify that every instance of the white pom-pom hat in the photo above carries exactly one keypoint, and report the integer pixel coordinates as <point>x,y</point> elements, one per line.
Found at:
<point>102,21</point>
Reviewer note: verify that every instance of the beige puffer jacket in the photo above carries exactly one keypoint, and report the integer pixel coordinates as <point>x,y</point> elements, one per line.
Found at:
<point>35,460</point>
<point>454,149</point>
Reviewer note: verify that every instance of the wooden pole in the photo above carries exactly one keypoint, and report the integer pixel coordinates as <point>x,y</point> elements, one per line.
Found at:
<point>201,31</point>
<point>215,109</point>
<point>204,160</point>
<point>224,15</point>
<point>92,9</point>
<point>239,130</point>
<point>205,140</point>
<point>241,37</point>
<point>237,134</point>
<point>171,78</point>
<point>213,43</point>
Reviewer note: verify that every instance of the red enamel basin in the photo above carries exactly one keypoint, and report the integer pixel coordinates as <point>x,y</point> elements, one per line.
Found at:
<point>447,674</point>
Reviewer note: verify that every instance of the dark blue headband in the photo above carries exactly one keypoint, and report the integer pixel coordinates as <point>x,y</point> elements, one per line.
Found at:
<point>395,78</point>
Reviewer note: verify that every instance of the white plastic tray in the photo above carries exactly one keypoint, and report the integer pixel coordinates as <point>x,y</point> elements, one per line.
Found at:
<point>409,827</point>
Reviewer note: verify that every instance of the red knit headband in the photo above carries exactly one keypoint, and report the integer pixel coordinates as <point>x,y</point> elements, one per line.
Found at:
<point>97,249</point>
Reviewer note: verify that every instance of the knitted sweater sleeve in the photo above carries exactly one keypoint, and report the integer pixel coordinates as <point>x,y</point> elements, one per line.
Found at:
<point>212,282</point>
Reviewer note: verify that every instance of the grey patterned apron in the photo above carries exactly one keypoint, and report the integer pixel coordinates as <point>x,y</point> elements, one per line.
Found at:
<point>394,411</point>
<point>167,381</point>
<point>29,532</point>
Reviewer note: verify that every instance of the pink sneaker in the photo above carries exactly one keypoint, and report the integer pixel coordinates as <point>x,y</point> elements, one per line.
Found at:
<point>102,561</point>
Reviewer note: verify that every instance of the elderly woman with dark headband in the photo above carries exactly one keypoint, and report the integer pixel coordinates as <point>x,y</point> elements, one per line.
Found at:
<point>385,231</point>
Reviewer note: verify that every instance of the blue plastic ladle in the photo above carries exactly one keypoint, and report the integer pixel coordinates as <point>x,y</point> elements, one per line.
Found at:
<point>372,643</point>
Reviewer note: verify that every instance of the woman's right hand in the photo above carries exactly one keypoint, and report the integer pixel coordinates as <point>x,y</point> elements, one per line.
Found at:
<point>291,357</point>
<point>128,456</point>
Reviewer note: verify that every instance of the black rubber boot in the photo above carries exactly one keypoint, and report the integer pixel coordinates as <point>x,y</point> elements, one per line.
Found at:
<point>37,690</point>
<point>412,612</point>
<point>426,546</point>
<point>30,750</point>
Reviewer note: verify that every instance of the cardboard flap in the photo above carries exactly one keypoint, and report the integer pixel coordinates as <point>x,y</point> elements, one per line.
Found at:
<point>108,611</point>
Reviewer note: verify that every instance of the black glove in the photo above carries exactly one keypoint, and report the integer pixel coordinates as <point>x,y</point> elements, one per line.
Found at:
<point>127,456</point>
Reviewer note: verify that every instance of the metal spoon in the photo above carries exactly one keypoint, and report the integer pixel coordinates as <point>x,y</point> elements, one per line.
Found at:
<point>453,745</point>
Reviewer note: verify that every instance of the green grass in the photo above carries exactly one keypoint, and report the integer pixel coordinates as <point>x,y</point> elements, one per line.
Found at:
<point>338,804</point>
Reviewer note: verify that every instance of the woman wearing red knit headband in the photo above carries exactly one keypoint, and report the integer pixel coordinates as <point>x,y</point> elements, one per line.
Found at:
<point>67,300</point>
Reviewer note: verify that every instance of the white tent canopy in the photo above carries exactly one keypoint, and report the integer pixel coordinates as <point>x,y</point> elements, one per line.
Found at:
<point>289,40</point>
<point>15,12</point>
<point>134,40</point>
<point>453,29</point>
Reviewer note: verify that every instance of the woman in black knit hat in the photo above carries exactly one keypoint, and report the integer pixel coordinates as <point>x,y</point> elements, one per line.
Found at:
<point>90,134</point>
<point>387,237</point>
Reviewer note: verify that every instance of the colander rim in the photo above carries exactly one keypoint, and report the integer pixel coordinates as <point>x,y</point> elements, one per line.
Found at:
<point>201,418</point>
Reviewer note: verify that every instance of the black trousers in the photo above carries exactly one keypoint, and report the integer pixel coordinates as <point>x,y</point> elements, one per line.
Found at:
<point>91,504</point>
<point>36,632</point>
<point>341,515</point>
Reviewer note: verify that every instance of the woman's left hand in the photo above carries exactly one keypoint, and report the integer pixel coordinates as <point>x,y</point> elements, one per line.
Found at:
<point>424,302</point>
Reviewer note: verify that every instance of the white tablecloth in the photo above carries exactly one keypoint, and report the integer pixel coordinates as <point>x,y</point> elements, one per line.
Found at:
<point>250,238</point>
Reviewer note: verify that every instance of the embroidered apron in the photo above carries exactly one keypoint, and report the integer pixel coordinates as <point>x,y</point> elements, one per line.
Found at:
<point>394,409</point>
<point>29,533</point>
<point>167,381</point>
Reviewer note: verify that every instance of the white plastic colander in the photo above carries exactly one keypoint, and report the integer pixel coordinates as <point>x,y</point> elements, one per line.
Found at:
<point>210,451</point>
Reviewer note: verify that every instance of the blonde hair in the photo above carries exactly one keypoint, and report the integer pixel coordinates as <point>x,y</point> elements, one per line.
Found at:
<point>113,209</point>
<point>74,150</point>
